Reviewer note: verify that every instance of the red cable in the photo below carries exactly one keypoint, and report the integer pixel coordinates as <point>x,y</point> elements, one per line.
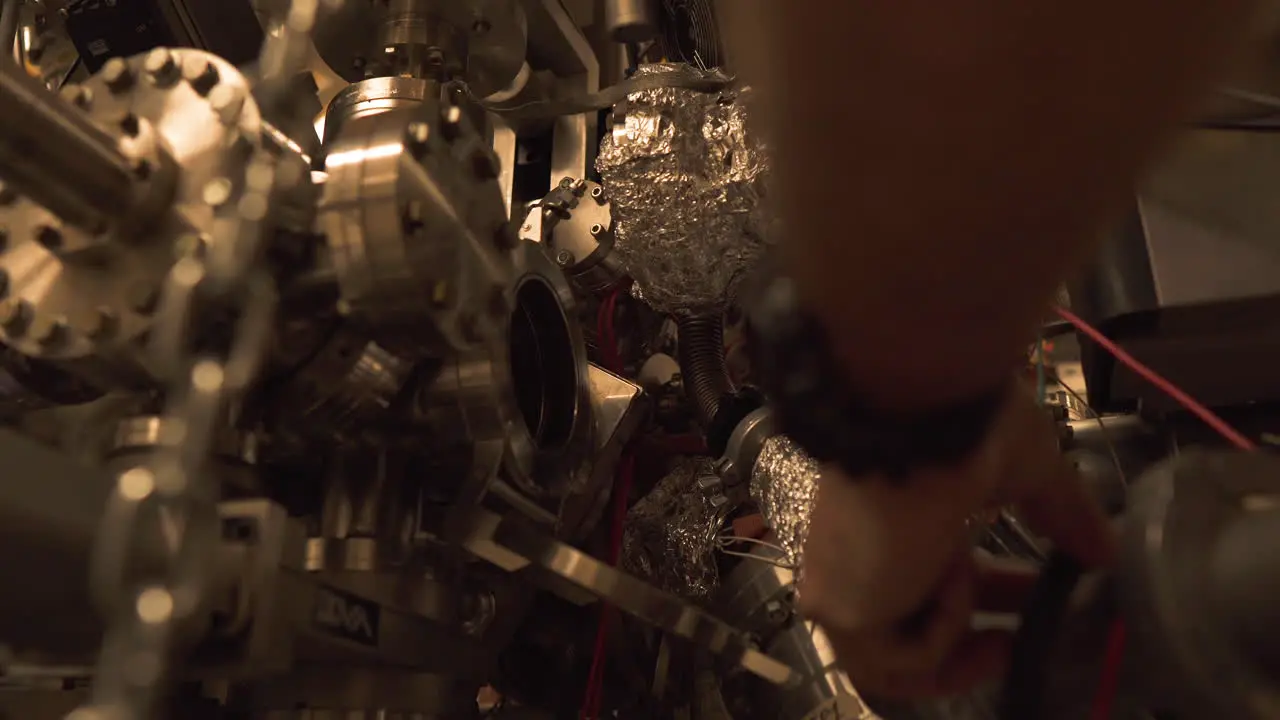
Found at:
<point>608,340</point>
<point>1208,416</point>
<point>1113,659</point>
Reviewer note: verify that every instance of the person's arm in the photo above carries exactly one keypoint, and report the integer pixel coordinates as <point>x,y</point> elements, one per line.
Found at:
<point>943,165</point>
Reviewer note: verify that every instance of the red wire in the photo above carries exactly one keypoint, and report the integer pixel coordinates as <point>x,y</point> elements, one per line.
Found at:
<point>608,339</point>
<point>1113,659</point>
<point>1208,416</point>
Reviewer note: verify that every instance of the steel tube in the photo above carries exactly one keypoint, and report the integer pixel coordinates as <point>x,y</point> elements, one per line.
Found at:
<point>58,157</point>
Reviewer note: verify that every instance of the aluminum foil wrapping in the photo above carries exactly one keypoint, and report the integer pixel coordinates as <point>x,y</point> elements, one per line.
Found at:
<point>670,537</point>
<point>685,181</point>
<point>784,484</point>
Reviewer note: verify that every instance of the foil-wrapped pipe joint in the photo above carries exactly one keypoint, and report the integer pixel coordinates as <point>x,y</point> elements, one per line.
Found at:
<point>702,365</point>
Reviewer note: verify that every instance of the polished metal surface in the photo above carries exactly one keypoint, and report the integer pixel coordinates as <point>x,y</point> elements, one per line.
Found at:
<point>76,296</point>
<point>631,21</point>
<point>375,95</point>
<point>633,597</point>
<point>61,159</point>
<point>759,595</point>
<point>575,222</point>
<point>744,447</point>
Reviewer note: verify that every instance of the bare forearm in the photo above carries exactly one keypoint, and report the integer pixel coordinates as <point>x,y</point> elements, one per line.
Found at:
<point>945,164</point>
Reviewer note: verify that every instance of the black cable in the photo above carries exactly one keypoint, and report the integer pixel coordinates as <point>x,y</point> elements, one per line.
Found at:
<point>1033,644</point>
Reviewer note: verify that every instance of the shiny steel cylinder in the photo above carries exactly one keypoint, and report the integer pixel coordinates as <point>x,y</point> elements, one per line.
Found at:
<point>57,157</point>
<point>631,21</point>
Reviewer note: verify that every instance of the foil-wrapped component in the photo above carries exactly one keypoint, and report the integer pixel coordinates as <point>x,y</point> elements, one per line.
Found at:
<point>671,534</point>
<point>784,484</point>
<point>685,179</point>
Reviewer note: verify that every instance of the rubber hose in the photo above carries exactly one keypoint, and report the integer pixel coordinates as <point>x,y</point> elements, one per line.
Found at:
<point>10,11</point>
<point>702,365</point>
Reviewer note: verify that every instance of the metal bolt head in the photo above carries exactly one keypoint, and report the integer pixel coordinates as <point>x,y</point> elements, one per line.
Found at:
<point>227,101</point>
<point>217,191</point>
<point>416,136</point>
<point>49,330</point>
<point>78,95</point>
<point>564,258</point>
<point>451,122</point>
<point>15,314</point>
<point>142,297</point>
<point>597,229</point>
<point>597,194</point>
<point>202,74</point>
<point>161,66</point>
<point>118,75</point>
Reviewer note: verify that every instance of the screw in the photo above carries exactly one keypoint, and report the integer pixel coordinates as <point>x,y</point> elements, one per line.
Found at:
<point>49,236</point>
<point>451,122</point>
<point>49,330</point>
<point>201,73</point>
<point>564,258</point>
<point>483,164</point>
<point>142,297</point>
<point>217,191</point>
<point>416,137</point>
<point>597,194</point>
<point>100,324</point>
<point>227,101</point>
<point>15,313</point>
<point>117,75</point>
<point>160,65</point>
<point>130,125</point>
<point>78,95</point>
<point>596,229</point>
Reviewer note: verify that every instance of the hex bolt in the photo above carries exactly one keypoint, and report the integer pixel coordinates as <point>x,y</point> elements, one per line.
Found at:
<point>201,73</point>
<point>118,75</point>
<point>15,313</point>
<point>78,95</point>
<point>100,324</point>
<point>597,229</point>
<point>142,297</point>
<point>216,192</point>
<point>161,66</point>
<point>597,194</point>
<point>451,122</point>
<point>416,137</point>
<point>49,236</point>
<point>49,330</point>
<point>227,101</point>
<point>564,258</point>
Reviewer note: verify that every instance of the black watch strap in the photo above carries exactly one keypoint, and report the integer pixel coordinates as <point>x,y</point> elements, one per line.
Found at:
<point>817,406</point>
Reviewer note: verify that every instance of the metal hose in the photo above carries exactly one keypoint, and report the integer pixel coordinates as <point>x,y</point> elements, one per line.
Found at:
<point>702,365</point>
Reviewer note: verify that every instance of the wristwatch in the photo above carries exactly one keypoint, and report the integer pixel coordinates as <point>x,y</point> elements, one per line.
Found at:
<point>820,409</point>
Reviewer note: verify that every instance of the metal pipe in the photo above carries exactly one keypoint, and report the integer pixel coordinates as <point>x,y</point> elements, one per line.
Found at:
<point>630,21</point>
<point>58,157</point>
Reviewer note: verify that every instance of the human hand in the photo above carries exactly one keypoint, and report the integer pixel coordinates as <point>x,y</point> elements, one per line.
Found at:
<point>890,574</point>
